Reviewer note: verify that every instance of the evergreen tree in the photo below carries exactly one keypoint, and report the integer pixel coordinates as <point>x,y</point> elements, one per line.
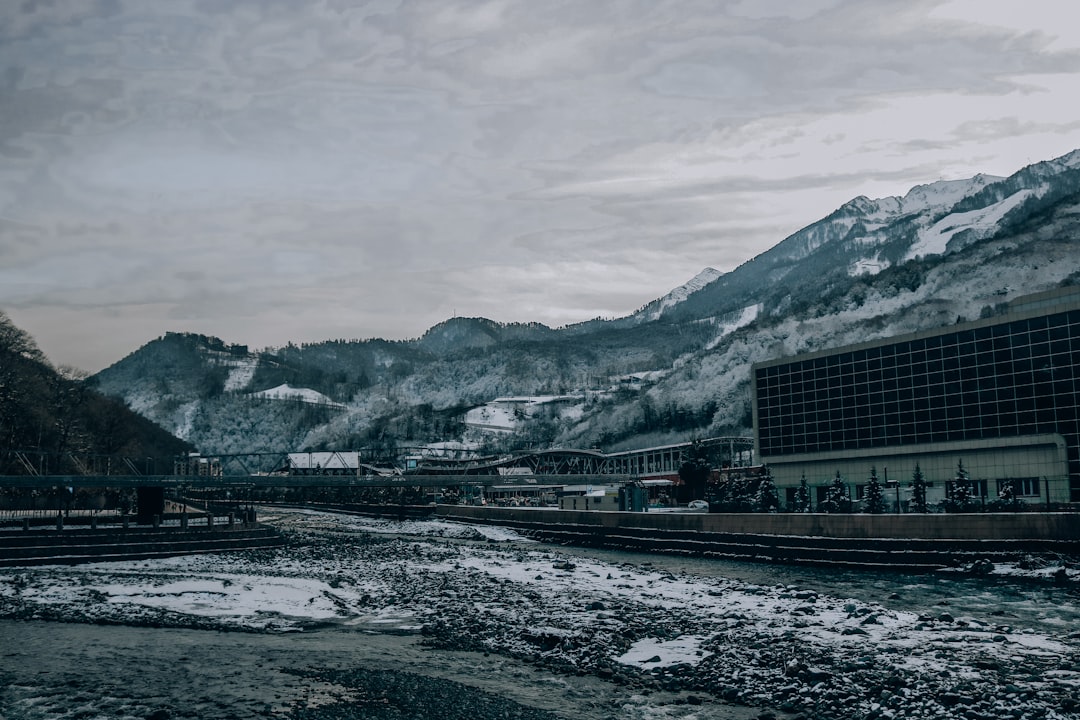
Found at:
<point>961,496</point>
<point>1007,495</point>
<point>875,494</point>
<point>767,500</point>
<point>802,496</point>
<point>695,471</point>
<point>918,491</point>
<point>735,493</point>
<point>836,497</point>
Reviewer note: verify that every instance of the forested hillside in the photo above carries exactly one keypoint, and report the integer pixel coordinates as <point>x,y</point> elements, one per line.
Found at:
<point>677,369</point>
<point>59,413</point>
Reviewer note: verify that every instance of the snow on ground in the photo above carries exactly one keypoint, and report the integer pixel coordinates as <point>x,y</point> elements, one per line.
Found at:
<point>748,315</point>
<point>868,266</point>
<point>932,240</point>
<point>651,652</point>
<point>187,415</point>
<point>287,392</point>
<point>491,417</point>
<point>241,371</point>
<point>778,645</point>
<point>944,193</point>
<point>504,413</point>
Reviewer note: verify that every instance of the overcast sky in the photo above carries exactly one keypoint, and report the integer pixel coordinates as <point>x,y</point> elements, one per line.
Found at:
<point>302,170</point>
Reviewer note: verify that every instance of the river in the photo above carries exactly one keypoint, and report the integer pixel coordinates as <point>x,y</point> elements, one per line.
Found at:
<point>375,619</point>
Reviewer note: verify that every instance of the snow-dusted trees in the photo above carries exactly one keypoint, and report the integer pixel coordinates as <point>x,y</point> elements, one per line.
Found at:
<point>961,496</point>
<point>875,494</point>
<point>767,500</point>
<point>837,499</point>
<point>802,496</point>
<point>735,493</point>
<point>1007,497</point>
<point>918,491</point>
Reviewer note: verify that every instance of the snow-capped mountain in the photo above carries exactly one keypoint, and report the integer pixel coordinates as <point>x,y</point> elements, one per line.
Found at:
<point>865,237</point>
<point>655,309</point>
<point>945,251</point>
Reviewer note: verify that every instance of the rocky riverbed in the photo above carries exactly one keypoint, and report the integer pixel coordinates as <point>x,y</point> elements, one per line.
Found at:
<point>501,627</point>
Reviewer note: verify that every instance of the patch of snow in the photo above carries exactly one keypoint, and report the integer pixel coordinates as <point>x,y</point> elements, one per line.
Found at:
<point>747,316</point>
<point>424,528</point>
<point>572,413</point>
<point>186,425</point>
<point>234,595</point>
<point>651,652</point>
<point>240,373</point>
<point>867,266</point>
<point>503,414</point>
<point>491,417</point>
<point>933,240</point>
<point>287,392</point>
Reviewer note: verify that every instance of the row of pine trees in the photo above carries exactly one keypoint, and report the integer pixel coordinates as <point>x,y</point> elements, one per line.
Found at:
<point>761,495</point>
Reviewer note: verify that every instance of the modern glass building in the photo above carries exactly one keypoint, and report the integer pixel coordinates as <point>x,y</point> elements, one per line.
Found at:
<point>1001,395</point>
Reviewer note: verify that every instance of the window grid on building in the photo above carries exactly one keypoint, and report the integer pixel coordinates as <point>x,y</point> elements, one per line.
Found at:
<point>1002,380</point>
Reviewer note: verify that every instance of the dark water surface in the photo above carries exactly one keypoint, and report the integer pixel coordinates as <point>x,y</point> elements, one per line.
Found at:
<point>70,671</point>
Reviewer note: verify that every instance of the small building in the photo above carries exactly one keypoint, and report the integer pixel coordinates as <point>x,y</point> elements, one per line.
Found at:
<point>626,498</point>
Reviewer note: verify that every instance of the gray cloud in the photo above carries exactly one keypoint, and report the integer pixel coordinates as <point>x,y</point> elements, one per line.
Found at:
<point>275,171</point>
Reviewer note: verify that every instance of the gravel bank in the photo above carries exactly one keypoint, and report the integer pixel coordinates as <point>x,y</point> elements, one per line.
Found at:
<point>590,638</point>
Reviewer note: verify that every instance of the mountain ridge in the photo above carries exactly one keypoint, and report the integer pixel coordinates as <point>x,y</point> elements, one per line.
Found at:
<point>849,276</point>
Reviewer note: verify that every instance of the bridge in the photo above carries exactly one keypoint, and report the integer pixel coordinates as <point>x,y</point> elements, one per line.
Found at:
<point>43,474</point>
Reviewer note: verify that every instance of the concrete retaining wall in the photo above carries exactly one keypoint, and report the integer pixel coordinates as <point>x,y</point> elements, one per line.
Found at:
<point>915,542</point>
<point>69,547</point>
<point>981,526</point>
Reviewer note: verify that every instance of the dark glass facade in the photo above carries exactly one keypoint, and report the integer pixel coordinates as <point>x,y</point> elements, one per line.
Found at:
<point>992,379</point>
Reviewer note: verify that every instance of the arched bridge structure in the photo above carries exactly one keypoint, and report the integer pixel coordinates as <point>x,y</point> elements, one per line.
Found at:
<point>643,462</point>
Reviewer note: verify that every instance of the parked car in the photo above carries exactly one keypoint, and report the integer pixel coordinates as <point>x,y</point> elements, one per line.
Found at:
<point>697,506</point>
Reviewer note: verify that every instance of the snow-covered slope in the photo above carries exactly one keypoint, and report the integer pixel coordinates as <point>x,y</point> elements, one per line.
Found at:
<point>287,392</point>
<point>742,319</point>
<point>655,309</point>
<point>241,371</point>
<point>983,222</point>
<point>872,268</point>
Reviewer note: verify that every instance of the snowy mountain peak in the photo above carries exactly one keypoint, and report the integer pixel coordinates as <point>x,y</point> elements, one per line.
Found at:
<point>943,194</point>
<point>702,279</point>
<point>656,308</point>
<point>860,205</point>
